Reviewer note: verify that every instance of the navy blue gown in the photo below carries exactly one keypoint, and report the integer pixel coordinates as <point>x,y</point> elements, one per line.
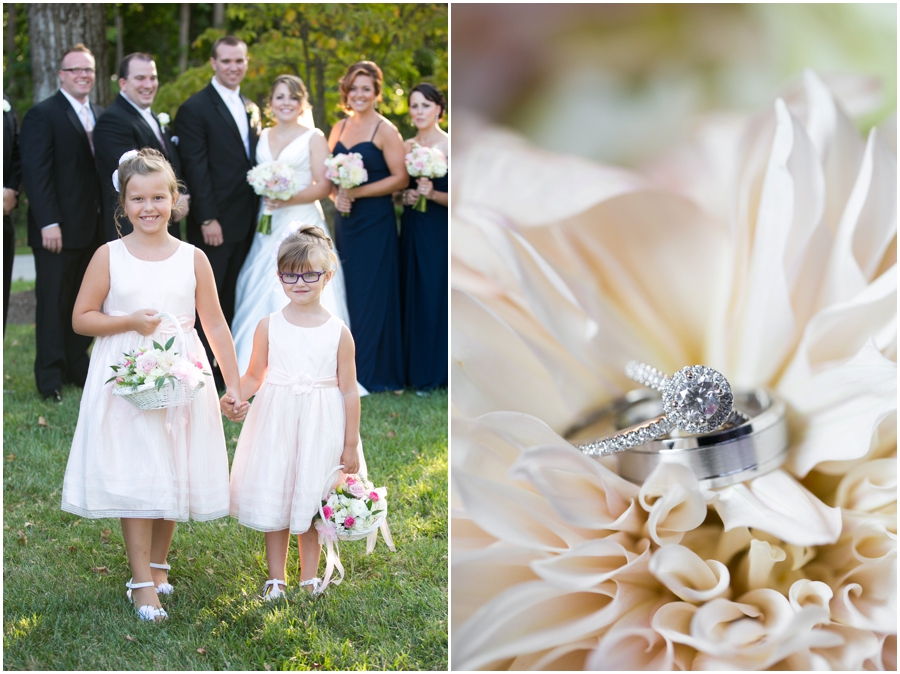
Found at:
<point>423,282</point>
<point>367,243</point>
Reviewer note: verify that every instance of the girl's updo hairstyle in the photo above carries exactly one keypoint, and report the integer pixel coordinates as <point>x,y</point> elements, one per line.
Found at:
<point>431,93</point>
<point>146,162</point>
<point>305,249</point>
<point>360,68</point>
<point>296,88</point>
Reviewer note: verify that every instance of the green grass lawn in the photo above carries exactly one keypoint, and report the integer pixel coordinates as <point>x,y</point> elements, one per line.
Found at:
<point>64,603</point>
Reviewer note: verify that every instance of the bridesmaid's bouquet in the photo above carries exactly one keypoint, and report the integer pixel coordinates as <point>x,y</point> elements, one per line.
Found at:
<point>275,180</point>
<point>425,162</point>
<point>346,171</point>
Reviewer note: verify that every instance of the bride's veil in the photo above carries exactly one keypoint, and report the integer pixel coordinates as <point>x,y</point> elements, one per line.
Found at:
<point>306,118</point>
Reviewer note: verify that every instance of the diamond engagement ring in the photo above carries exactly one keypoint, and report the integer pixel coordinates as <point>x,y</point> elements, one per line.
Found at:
<point>696,400</point>
<point>731,454</point>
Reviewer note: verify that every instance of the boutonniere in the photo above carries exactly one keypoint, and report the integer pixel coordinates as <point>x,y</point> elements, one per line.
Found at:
<point>163,120</point>
<point>254,116</point>
<point>6,106</point>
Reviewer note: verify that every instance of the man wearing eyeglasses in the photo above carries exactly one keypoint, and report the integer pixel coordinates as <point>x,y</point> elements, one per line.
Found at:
<point>64,218</point>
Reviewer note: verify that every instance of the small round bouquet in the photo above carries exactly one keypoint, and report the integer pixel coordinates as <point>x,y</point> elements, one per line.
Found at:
<point>274,180</point>
<point>425,162</point>
<point>155,377</point>
<point>353,509</point>
<point>346,170</point>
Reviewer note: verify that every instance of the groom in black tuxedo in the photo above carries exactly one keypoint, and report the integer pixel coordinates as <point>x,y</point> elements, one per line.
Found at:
<point>129,124</point>
<point>64,218</point>
<point>218,130</point>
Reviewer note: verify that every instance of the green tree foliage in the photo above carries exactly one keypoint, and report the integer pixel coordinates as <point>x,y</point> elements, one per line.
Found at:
<point>318,42</point>
<point>315,41</point>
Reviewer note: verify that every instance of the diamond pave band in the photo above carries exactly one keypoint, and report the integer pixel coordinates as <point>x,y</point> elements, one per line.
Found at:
<point>696,400</point>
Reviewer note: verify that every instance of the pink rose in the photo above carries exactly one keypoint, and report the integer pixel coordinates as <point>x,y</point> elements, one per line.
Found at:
<point>349,522</point>
<point>327,512</point>
<point>119,380</point>
<point>373,496</point>
<point>146,361</point>
<point>357,489</point>
<point>350,480</point>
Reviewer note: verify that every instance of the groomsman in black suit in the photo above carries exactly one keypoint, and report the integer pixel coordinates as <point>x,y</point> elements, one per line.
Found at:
<point>218,130</point>
<point>129,124</point>
<point>12,178</point>
<point>64,218</point>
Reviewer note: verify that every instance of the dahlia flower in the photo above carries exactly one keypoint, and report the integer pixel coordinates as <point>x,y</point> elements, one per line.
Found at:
<point>766,252</point>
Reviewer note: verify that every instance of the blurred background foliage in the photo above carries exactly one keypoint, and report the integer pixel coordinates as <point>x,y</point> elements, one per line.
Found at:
<point>315,41</point>
<point>618,83</point>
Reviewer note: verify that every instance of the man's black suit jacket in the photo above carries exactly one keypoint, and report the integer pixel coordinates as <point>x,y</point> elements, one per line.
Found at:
<point>59,174</point>
<point>12,164</point>
<point>215,165</point>
<point>120,129</point>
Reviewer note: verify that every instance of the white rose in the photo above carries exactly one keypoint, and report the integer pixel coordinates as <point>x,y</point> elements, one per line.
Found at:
<point>163,119</point>
<point>358,508</point>
<point>6,106</point>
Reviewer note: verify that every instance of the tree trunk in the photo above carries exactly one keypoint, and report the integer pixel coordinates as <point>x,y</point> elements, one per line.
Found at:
<point>11,21</point>
<point>218,15</point>
<point>120,28</point>
<point>184,36</point>
<point>319,102</point>
<point>52,29</point>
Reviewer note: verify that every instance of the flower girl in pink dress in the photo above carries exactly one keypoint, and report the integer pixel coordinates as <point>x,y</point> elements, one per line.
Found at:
<point>150,468</point>
<point>304,420</point>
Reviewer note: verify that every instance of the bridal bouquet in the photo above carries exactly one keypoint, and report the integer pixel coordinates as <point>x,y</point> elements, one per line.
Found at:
<point>353,509</point>
<point>346,171</point>
<point>425,162</point>
<point>275,180</point>
<point>150,369</point>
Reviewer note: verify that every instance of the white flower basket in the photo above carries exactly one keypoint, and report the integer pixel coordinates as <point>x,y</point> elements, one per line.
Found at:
<point>362,533</point>
<point>170,394</point>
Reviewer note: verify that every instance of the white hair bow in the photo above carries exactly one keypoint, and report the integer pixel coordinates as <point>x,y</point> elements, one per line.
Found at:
<point>131,154</point>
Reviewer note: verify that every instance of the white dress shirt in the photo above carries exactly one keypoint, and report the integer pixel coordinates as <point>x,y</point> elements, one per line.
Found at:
<point>78,106</point>
<point>236,105</point>
<point>148,117</point>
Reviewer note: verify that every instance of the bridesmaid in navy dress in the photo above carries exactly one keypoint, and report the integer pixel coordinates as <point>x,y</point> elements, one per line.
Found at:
<point>423,252</point>
<point>367,238</point>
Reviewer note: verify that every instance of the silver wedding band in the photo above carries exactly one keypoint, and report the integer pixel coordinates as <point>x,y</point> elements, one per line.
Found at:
<point>732,454</point>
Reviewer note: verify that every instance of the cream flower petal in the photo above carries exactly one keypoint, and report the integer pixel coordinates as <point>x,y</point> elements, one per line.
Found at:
<point>872,542</point>
<point>688,576</point>
<point>515,515</point>
<point>840,408</point>
<point>468,536</point>
<point>869,487</point>
<point>805,592</point>
<point>867,597</point>
<point>581,490</point>
<point>481,575</point>
<point>757,566</point>
<point>493,369</point>
<point>533,617</point>
<point>778,504</point>
<point>593,562</point>
<point>886,659</point>
<point>671,494</point>
<point>530,186</point>
<point>568,657</point>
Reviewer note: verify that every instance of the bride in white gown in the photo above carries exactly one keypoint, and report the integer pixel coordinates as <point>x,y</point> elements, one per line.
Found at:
<point>259,291</point>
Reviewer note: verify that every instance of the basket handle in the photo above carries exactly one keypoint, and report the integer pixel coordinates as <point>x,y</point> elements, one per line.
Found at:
<point>179,330</point>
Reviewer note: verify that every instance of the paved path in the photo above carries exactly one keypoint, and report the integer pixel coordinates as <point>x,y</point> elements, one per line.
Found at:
<point>23,268</point>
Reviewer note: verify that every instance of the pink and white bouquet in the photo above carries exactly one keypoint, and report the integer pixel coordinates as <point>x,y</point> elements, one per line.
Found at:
<point>353,509</point>
<point>346,170</point>
<point>154,367</point>
<point>274,180</point>
<point>425,162</point>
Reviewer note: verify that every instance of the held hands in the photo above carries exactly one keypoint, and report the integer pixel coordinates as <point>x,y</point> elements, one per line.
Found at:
<point>350,459</point>
<point>231,407</point>
<point>212,234</point>
<point>9,200</point>
<point>145,321</point>
<point>426,187</point>
<point>343,202</point>
<point>51,239</point>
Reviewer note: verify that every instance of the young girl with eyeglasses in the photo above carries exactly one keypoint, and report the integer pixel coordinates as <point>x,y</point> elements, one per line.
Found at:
<point>304,420</point>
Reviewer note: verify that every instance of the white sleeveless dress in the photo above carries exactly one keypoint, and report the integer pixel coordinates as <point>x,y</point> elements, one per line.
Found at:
<point>259,291</point>
<point>126,462</point>
<point>294,433</point>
